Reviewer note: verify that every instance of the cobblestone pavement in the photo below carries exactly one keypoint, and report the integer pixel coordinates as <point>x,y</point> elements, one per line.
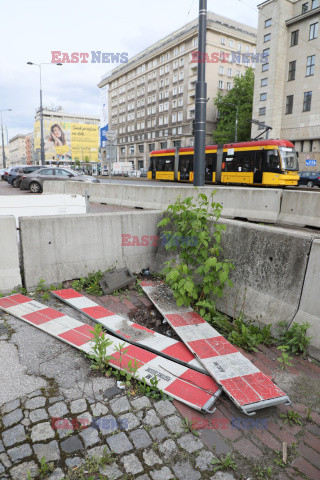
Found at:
<point>44,380</point>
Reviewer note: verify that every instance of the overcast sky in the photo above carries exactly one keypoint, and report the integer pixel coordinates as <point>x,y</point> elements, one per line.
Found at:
<point>29,31</point>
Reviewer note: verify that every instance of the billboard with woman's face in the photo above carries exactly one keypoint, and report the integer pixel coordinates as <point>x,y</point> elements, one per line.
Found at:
<point>68,141</point>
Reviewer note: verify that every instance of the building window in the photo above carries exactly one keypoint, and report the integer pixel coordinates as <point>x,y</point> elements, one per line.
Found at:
<point>229,72</point>
<point>174,131</point>
<point>264,82</point>
<point>221,69</point>
<point>304,8</point>
<point>141,148</point>
<point>181,75</point>
<point>229,86</point>
<point>180,117</point>
<point>267,38</point>
<point>195,42</point>
<point>220,84</point>
<point>263,96</point>
<point>294,38</point>
<point>310,65</point>
<point>292,70</point>
<point>289,104</point>
<point>181,62</point>
<point>175,64</point>
<point>123,150</point>
<point>266,53</point>
<point>268,23</point>
<point>163,145</point>
<point>223,41</point>
<point>262,111</point>
<point>177,143</point>
<point>314,4</point>
<point>131,149</point>
<point>231,43</point>
<point>265,67</point>
<point>151,147</point>
<point>307,101</point>
<point>313,32</point>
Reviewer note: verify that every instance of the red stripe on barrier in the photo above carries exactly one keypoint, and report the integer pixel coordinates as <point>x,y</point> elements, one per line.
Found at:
<point>50,313</point>
<point>86,330</point>
<point>126,361</point>
<point>203,381</point>
<point>262,385</point>
<point>97,312</point>
<point>7,303</point>
<point>239,389</point>
<point>179,351</point>
<point>144,355</point>
<point>67,293</point>
<point>181,320</point>
<point>190,393</point>
<point>36,318</point>
<point>74,337</point>
<point>20,298</point>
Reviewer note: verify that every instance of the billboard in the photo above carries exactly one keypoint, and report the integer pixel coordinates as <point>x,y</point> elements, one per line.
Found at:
<point>67,141</point>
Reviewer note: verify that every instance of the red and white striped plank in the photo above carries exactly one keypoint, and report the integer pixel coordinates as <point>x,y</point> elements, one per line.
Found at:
<point>134,333</point>
<point>242,381</point>
<point>182,383</point>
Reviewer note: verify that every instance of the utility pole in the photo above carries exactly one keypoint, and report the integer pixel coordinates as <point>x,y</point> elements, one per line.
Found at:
<point>3,149</point>
<point>199,161</point>
<point>236,133</point>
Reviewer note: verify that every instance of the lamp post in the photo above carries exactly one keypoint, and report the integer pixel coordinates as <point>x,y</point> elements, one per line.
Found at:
<point>201,101</point>
<point>43,162</point>
<point>3,149</point>
<point>236,131</point>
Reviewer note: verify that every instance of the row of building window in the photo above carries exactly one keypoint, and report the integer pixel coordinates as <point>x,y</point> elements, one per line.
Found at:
<point>311,60</point>
<point>151,147</point>
<point>163,120</point>
<point>151,135</point>
<point>307,97</point>
<point>231,44</point>
<point>228,71</point>
<point>221,85</point>
<point>313,33</point>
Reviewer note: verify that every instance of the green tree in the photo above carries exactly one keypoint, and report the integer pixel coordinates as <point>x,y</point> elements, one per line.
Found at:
<point>240,95</point>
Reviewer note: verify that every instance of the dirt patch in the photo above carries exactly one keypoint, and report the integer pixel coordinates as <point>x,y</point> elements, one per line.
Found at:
<point>152,319</point>
<point>164,297</point>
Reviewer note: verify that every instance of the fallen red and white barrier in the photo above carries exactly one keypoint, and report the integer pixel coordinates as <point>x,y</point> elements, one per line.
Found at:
<point>242,381</point>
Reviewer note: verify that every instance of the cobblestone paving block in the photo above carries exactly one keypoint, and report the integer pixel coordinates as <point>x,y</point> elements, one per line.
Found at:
<point>111,471</point>
<point>222,476</point>
<point>190,443</point>
<point>120,405</point>
<point>1,447</point>
<point>21,471</point>
<point>42,431</point>
<point>174,424</point>
<point>143,477</point>
<point>159,433</point>
<point>106,424</point>
<point>14,435</point>
<point>129,421</point>
<point>98,451</point>
<point>56,399</point>
<point>140,438</point>
<point>74,462</point>
<point>37,393</point>
<point>38,415</point>
<point>168,448</point>
<point>26,422</point>
<point>119,443</point>
<point>141,403</point>
<point>151,458</point>
<point>90,437</point>
<point>111,392</point>
<point>163,474</point>
<point>5,460</point>
<point>12,418</point>
<point>59,409</point>
<point>1,468</point>
<point>151,418</point>
<point>203,460</point>
<point>48,450</point>
<point>34,403</point>
<point>18,453</point>
<point>99,409</point>
<point>57,475</point>
<point>165,408</point>
<point>184,471</point>
<point>131,464</point>
<point>8,407</point>
<point>78,406</point>
<point>71,444</point>
<point>213,440</point>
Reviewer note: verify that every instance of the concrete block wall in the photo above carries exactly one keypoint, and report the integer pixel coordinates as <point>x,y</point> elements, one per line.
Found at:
<point>10,277</point>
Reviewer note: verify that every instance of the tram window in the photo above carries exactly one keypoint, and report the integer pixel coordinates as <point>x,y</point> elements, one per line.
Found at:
<point>272,161</point>
<point>186,163</point>
<point>211,162</point>
<point>165,164</point>
<point>244,161</point>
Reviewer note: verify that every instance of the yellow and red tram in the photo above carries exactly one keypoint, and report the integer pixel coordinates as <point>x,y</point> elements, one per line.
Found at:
<point>262,162</point>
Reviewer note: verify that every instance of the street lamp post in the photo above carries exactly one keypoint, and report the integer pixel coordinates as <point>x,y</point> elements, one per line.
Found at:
<point>43,161</point>
<point>236,130</point>
<point>3,149</point>
<point>201,100</point>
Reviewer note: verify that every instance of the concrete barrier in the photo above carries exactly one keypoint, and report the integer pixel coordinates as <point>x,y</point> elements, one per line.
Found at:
<point>249,203</point>
<point>10,277</point>
<point>270,265</point>
<point>309,309</point>
<point>66,247</point>
<point>300,208</point>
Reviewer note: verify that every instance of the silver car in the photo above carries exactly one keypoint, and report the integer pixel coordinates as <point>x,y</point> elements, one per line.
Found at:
<point>34,181</point>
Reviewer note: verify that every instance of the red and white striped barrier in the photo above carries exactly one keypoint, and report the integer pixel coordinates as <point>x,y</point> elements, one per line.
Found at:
<point>134,333</point>
<point>188,386</point>
<point>242,381</point>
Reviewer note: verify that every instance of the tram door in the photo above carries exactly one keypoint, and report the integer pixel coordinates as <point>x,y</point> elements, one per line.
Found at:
<point>186,166</point>
<point>258,167</point>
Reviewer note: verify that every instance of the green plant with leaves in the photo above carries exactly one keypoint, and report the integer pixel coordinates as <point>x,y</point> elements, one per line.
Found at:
<point>247,335</point>
<point>295,336</point>
<point>187,426</point>
<point>198,274</point>
<point>224,463</point>
<point>90,284</point>
<point>89,470</point>
<point>291,417</point>
<point>262,472</point>
<point>285,357</point>
<point>100,344</point>
<point>45,468</point>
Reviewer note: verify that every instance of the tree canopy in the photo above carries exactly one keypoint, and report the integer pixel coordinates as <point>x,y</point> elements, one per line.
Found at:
<point>240,95</point>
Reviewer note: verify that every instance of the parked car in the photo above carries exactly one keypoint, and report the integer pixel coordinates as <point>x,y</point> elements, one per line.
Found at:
<point>34,181</point>
<point>143,172</point>
<point>15,174</point>
<point>5,174</point>
<point>311,179</point>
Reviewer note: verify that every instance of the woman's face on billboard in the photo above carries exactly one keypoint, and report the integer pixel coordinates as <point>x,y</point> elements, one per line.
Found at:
<point>57,131</point>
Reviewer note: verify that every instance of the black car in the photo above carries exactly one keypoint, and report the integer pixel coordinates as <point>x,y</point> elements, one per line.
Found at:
<point>311,179</point>
<point>16,174</point>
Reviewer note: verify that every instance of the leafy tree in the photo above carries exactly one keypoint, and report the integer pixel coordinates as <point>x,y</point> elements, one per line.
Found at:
<point>240,95</point>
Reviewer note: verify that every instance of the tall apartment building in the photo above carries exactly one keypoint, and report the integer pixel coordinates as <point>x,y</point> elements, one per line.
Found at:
<point>30,153</point>
<point>17,150</point>
<point>6,152</point>
<point>151,99</point>
<point>287,86</point>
